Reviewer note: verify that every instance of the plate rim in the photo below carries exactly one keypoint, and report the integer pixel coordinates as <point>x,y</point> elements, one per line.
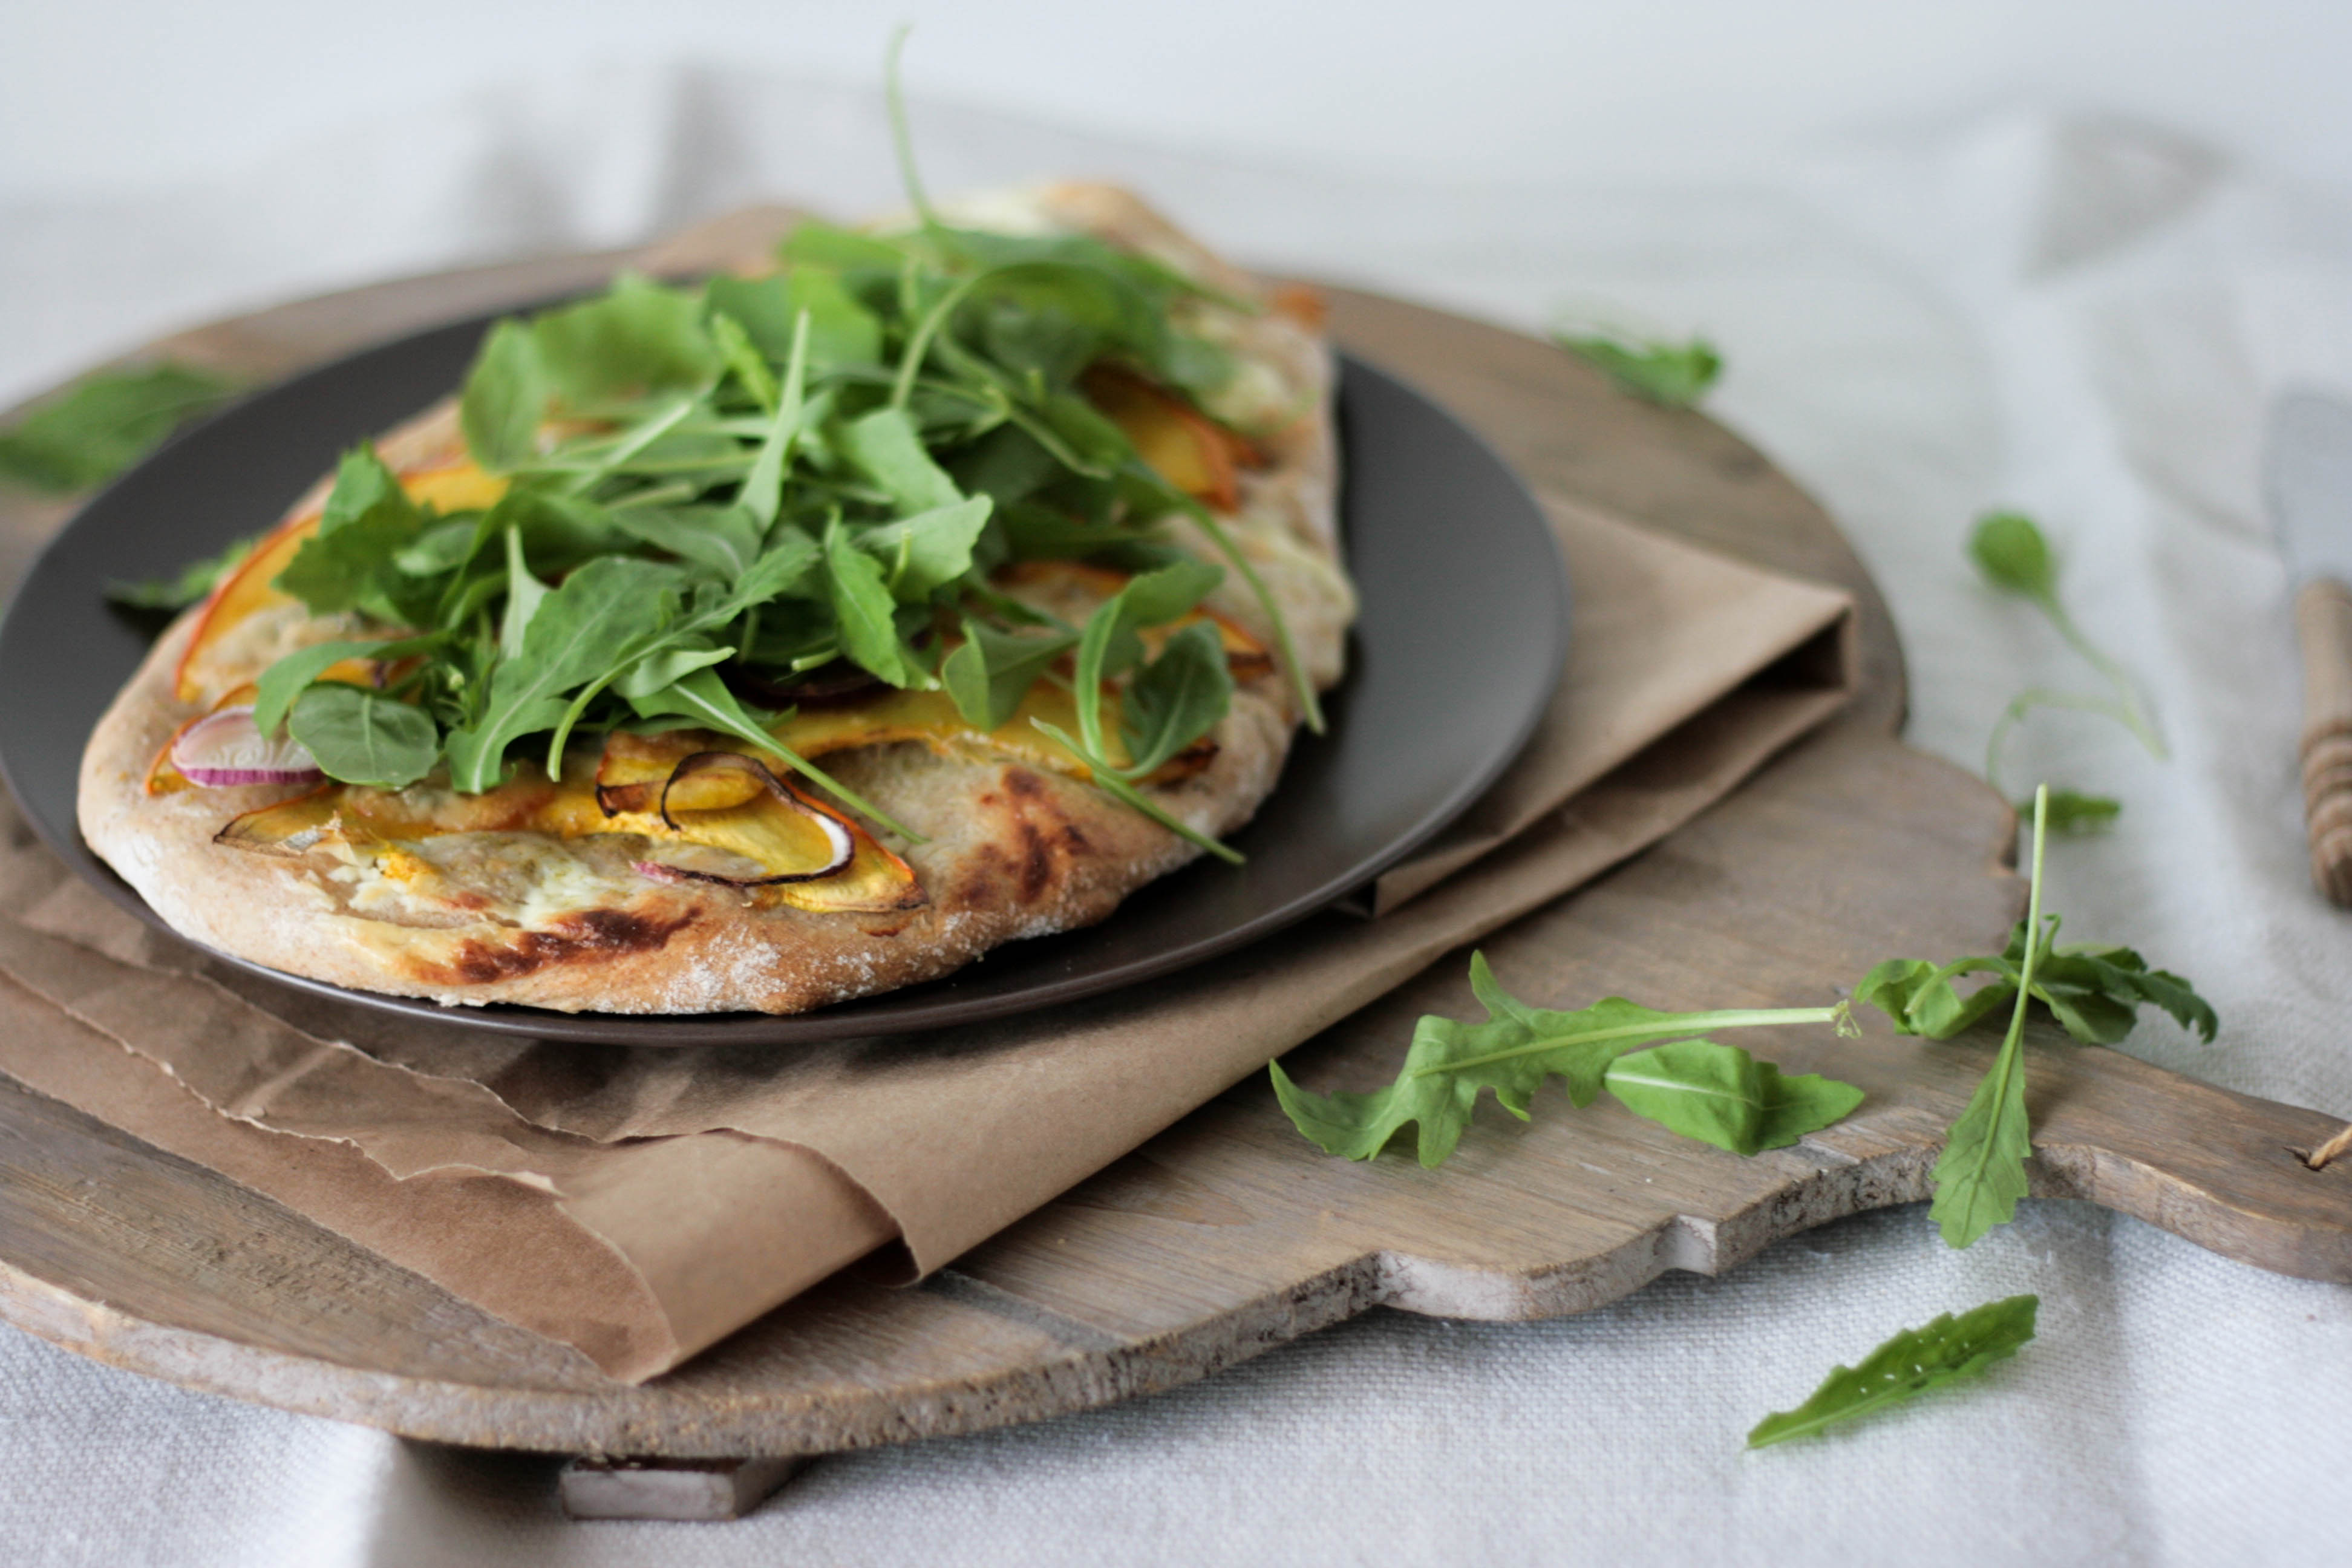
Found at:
<point>854,1018</point>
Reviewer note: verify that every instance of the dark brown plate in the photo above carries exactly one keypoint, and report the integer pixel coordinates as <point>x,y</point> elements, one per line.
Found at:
<point>1463,634</point>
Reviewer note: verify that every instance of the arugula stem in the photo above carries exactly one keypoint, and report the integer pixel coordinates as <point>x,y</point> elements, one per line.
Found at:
<point>2024,702</point>
<point>2001,1080</point>
<point>902,139</point>
<point>2129,710</point>
<point>903,386</point>
<point>1113,783</point>
<point>1680,1024</point>
<point>1302,689</point>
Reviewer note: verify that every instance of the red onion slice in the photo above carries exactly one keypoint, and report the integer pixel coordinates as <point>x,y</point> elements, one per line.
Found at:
<point>222,749</point>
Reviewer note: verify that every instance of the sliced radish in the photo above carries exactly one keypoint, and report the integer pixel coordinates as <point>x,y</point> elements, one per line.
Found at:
<point>224,749</point>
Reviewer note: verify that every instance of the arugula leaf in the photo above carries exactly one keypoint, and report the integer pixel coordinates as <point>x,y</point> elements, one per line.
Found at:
<point>1108,647</point>
<point>525,594</point>
<point>1943,1351</point>
<point>1720,1094</point>
<point>841,330</point>
<point>196,579</point>
<point>603,607</point>
<point>2010,550</point>
<point>638,338</point>
<point>990,671</point>
<point>1176,699</point>
<point>726,539</point>
<point>363,737</point>
<point>505,399</point>
<point>2093,992</point>
<point>104,423</point>
<point>1512,1053</point>
<point>351,561</point>
<point>1981,1173</point>
<point>814,242</point>
<point>885,448</point>
<point>764,488</point>
<point>1674,375</point>
<point>924,552</point>
<point>363,482</point>
<point>286,680</point>
<point>861,599</point>
<point>2073,812</point>
<point>645,678</point>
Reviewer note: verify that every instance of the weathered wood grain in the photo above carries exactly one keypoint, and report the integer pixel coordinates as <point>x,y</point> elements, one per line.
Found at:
<point>1228,1234</point>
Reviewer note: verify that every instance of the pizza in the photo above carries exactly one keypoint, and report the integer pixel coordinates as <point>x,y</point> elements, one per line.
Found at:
<point>766,641</point>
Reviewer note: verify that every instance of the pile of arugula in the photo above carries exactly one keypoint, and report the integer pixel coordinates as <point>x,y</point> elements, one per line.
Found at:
<point>759,477</point>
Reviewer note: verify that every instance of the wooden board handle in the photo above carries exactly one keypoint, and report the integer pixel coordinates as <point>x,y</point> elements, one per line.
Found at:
<point>2323,621</point>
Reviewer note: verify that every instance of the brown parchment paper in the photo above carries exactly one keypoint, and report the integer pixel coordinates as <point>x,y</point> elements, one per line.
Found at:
<point>640,1203</point>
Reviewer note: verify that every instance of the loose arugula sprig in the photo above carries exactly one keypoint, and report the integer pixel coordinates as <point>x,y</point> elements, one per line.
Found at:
<point>2095,993</point>
<point>1945,1350</point>
<point>1674,376</point>
<point>1698,1088</point>
<point>105,424</point>
<point>713,492</point>
<point>2014,556</point>
<point>1715,1093</point>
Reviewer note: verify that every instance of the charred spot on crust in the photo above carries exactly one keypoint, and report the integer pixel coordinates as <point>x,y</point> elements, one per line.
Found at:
<point>1042,840</point>
<point>587,937</point>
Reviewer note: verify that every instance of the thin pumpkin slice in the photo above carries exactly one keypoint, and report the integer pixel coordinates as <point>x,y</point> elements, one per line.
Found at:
<point>724,817</point>
<point>1180,442</point>
<point>776,827</point>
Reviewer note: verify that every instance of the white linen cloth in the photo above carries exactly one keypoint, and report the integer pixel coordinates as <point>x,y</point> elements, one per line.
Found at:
<point>2080,320</point>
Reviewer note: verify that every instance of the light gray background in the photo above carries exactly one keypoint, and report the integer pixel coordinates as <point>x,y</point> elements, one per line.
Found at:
<point>2055,257</point>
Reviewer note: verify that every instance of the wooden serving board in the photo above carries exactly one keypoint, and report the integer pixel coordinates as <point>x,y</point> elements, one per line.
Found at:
<point>1228,1233</point>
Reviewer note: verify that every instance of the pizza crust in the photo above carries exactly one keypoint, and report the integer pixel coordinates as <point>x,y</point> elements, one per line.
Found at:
<point>1013,851</point>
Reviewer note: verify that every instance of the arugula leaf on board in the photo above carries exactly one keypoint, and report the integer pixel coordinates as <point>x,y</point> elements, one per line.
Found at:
<point>1519,1047</point>
<point>2015,556</point>
<point>1720,1094</point>
<point>2093,992</point>
<point>1943,1351</point>
<point>193,581</point>
<point>1674,376</point>
<point>2074,812</point>
<point>104,423</point>
<point>363,737</point>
